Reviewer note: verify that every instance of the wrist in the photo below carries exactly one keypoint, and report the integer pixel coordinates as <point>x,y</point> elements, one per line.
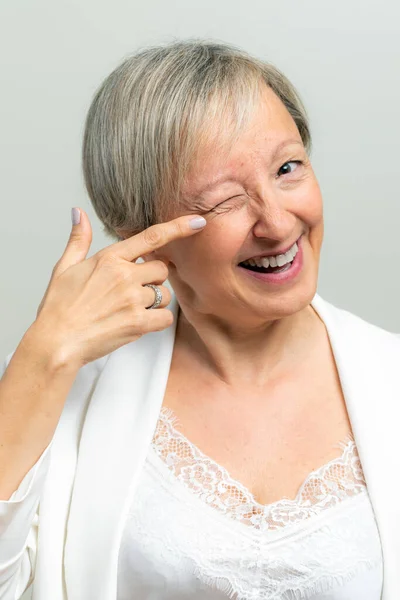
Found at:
<point>48,350</point>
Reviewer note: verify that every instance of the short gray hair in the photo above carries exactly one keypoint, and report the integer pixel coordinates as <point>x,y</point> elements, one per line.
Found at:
<point>153,113</point>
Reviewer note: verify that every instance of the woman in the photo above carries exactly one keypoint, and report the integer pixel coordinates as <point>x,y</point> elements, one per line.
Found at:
<point>232,444</point>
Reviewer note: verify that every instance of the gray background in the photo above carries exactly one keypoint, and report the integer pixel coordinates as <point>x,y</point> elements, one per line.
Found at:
<point>343,56</point>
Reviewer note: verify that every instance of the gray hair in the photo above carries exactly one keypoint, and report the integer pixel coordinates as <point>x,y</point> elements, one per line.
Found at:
<point>153,113</point>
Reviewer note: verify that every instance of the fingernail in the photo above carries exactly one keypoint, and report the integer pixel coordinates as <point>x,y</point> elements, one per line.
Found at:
<point>75,216</point>
<point>197,222</point>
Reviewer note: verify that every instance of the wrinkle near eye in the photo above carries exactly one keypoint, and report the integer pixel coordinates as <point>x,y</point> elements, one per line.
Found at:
<point>229,205</point>
<point>197,208</point>
<point>220,207</point>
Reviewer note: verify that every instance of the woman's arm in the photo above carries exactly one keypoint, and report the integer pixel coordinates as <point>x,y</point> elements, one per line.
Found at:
<point>19,523</point>
<point>33,390</point>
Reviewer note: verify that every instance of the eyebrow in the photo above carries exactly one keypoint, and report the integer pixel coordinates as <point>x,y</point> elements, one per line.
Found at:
<point>223,178</point>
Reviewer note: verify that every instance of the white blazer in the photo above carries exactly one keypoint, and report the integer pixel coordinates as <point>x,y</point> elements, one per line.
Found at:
<point>107,425</point>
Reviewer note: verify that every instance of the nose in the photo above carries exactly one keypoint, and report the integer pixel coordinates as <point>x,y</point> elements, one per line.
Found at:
<point>274,222</point>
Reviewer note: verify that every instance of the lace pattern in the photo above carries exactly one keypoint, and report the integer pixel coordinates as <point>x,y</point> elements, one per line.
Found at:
<point>323,488</point>
<point>171,549</point>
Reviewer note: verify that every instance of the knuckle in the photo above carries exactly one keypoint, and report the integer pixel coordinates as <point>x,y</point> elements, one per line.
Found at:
<point>56,268</point>
<point>169,317</point>
<point>110,262</point>
<point>139,319</point>
<point>166,321</point>
<point>75,237</point>
<point>101,253</point>
<point>134,297</point>
<point>163,269</point>
<point>106,259</point>
<point>130,317</point>
<point>179,229</point>
<point>166,296</point>
<point>153,236</point>
<point>122,274</point>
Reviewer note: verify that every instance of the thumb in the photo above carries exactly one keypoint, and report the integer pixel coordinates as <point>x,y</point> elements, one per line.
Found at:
<point>76,249</point>
<point>79,241</point>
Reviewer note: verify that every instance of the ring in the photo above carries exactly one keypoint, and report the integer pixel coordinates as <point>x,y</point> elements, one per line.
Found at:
<point>158,295</point>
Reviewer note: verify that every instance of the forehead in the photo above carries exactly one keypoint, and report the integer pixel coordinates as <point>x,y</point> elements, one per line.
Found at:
<point>270,130</point>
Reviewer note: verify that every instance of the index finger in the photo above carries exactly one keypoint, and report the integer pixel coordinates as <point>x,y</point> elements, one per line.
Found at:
<point>159,235</point>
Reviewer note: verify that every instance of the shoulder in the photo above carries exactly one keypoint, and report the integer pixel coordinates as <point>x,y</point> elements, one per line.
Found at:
<point>354,327</point>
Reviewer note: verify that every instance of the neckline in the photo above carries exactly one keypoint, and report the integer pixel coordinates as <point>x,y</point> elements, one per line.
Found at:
<point>348,458</point>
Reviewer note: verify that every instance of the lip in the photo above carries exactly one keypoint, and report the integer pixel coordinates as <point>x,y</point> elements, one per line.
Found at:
<point>265,254</point>
<point>284,277</point>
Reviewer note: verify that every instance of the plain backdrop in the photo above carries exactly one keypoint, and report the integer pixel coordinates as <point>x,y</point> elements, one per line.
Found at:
<point>342,56</point>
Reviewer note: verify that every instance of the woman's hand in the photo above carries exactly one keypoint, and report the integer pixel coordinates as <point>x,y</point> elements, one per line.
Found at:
<point>93,306</point>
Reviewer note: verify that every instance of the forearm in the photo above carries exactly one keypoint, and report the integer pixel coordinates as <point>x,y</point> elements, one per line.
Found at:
<point>33,391</point>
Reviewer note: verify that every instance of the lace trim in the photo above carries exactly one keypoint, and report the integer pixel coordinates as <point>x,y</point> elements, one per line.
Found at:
<point>323,488</point>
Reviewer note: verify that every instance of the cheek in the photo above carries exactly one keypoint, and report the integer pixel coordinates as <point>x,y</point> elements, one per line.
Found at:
<point>313,217</point>
<point>223,239</point>
<point>309,204</point>
<point>216,245</point>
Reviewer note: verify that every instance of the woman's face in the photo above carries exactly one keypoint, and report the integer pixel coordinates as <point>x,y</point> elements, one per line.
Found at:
<point>268,198</point>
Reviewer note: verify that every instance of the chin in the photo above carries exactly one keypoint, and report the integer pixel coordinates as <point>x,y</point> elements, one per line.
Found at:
<point>286,303</point>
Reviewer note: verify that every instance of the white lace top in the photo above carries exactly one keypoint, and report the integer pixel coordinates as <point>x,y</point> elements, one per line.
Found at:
<point>194,532</point>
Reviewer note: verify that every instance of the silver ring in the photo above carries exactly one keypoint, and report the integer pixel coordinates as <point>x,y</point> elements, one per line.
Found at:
<point>158,295</point>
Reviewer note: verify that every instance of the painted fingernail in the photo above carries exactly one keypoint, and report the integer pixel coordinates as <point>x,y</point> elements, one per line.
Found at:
<point>197,222</point>
<point>75,216</point>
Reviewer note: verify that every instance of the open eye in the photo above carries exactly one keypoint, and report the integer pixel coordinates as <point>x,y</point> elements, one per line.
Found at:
<point>289,167</point>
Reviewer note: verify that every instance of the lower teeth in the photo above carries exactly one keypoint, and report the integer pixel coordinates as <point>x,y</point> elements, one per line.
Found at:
<point>285,268</point>
<point>270,269</point>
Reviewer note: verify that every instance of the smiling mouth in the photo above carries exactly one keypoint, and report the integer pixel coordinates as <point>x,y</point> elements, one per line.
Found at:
<point>267,269</point>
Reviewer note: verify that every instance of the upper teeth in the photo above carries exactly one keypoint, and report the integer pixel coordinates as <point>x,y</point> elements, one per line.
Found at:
<point>274,261</point>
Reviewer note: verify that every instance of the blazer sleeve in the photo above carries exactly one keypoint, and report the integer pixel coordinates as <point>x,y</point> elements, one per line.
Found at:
<point>19,523</point>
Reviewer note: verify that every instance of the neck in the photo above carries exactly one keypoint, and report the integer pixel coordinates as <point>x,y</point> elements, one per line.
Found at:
<point>245,355</point>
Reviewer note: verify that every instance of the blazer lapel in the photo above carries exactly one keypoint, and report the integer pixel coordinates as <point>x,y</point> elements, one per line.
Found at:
<point>368,363</point>
<point>118,429</point>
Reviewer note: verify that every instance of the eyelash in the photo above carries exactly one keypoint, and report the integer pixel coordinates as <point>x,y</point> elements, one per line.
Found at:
<point>297,162</point>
